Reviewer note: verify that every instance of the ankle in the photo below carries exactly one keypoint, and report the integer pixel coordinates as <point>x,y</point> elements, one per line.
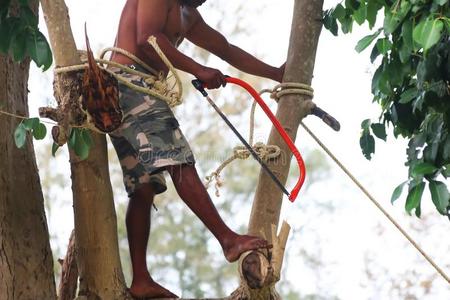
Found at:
<point>227,240</point>
<point>141,277</point>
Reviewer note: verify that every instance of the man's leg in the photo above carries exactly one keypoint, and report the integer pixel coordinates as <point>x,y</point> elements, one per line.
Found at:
<point>191,190</point>
<point>138,229</point>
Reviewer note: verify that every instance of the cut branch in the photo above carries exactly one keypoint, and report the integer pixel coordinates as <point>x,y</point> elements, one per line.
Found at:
<point>69,277</point>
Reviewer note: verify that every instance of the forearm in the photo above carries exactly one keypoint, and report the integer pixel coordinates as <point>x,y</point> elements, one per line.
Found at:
<point>247,63</point>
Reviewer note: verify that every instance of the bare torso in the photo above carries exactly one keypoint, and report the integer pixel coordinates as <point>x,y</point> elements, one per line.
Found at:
<point>179,20</point>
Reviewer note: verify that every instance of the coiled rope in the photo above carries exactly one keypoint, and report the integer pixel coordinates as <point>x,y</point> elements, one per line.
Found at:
<point>265,152</point>
<point>158,84</point>
<point>300,89</point>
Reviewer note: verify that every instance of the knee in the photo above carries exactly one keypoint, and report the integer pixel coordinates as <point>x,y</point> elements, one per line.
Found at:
<point>142,196</point>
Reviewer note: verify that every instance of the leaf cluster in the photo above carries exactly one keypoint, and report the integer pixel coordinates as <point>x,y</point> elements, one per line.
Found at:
<point>80,139</point>
<point>411,84</point>
<point>32,126</point>
<point>20,35</point>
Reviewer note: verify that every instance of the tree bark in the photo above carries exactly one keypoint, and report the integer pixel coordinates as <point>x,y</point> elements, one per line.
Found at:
<point>97,249</point>
<point>69,275</point>
<point>26,262</point>
<point>305,32</point>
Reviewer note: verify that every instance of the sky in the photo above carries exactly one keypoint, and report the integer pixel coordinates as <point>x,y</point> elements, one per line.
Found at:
<point>353,230</point>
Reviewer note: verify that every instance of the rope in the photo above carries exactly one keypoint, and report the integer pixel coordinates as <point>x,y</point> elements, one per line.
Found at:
<point>301,89</point>
<point>265,152</point>
<point>2,112</point>
<point>159,86</point>
<point>377,204</point>
<point>289,88</point>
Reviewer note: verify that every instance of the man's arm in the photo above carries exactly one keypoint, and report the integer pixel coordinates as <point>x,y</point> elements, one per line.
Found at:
<point>151,19</point>
<point>211,40</point>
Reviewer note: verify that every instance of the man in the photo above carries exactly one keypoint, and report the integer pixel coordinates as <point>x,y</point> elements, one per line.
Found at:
<point>150,140</point>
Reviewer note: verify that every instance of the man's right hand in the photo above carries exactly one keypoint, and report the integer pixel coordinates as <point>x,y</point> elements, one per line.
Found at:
<point>212,78</point>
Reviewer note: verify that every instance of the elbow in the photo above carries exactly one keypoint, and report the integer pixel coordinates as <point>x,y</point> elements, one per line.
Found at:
<point>142,39</point>
<point>223,52</point>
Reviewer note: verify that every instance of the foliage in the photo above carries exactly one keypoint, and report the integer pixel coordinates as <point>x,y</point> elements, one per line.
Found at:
<point>411,84</point>
<point>33,126</point>
<point>21,36</point>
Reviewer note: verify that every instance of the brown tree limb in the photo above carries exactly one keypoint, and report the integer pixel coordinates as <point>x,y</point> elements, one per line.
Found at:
<point>69,275</point>
<point>305,32</point>
<point>97,250</point>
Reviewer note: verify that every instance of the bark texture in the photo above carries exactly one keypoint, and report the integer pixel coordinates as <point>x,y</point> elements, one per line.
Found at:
<point>305,32</point>
<point>97,250</point>
<point>26,262</point>
<point>69,276</point>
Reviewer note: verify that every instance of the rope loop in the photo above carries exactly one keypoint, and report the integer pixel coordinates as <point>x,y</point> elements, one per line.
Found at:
<point>289,88</point>
<point>157,85</point>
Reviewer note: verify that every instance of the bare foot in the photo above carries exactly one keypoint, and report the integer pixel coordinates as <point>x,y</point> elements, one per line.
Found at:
<point>234,247</point>
<point>150,290</point>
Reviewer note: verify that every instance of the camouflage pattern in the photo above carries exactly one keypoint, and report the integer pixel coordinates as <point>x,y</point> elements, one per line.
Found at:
<point>149,138</point>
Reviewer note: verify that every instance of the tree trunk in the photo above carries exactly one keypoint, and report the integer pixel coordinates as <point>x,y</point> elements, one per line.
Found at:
<point>305,31</point>
<point>26,262</point>
<point>97,248</point>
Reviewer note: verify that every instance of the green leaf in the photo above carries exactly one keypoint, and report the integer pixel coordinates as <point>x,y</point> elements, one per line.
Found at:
<point>28,17</point>
<point>330,23</point>
<point>73,138</point>
<point>423,169</point>
<point>55,148</point>
<point>365,125</point>
<point>87,138</point>
<point>40,131</point>
<point>18,46</point>
<point>360,14</point>
<point>408,95</point>
<point>346,25</point>
<point>6,35</point>
<point>441,2</point>
<point>384,45</point>
<point>374,54</point>
<point>30,123</point>
<point>414,197</point>
<point>379,130</point>
<point>418,211</point>
<point>407,34</point>
<point>440,196</point>
<point>446,171</point>
<point>366,41</point>
<point>428,32</point>
<point>404,53</point>
<point>398,192</point>
<point>39,50</point>
<point>78,144</point>
<point>20,135</point>
<point>339,12</point>
<point>367,143</point>
<point>352,4</point>
<point>81,149</point>
<point>394,18</point>
<point>372,11</point>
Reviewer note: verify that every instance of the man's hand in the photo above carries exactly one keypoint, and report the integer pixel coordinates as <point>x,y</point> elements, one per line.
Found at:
<point>212,78</point>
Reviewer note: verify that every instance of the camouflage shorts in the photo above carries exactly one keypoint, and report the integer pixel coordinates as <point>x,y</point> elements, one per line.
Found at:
<point>149,138</point>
